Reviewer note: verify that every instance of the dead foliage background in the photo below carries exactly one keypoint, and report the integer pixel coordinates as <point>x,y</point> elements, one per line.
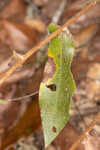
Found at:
<point>23,23</point>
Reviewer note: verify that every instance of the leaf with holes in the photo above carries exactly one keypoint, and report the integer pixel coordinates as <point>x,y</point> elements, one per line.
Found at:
<point>57,87</point>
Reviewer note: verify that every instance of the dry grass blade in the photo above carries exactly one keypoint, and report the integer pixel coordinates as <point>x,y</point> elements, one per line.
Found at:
<point>33,50</point>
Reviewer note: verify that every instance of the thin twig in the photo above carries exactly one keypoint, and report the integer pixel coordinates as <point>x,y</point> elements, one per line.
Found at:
<point>86,132</point>
<point>22,97</point>
<point>35,49</point>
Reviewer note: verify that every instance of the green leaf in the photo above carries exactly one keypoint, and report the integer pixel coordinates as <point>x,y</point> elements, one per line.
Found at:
<point>57,87</point>
<point>52,28</point>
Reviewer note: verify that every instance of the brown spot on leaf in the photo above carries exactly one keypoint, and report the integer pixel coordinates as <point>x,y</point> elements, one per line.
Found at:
<point>54,129</point>
<point>52,87</point>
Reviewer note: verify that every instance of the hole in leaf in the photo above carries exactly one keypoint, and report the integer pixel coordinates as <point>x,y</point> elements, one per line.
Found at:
<point>54,129</point>
<point>52,87</point>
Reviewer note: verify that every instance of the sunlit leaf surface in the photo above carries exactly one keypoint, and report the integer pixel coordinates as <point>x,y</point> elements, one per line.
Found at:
<point>57,87</point>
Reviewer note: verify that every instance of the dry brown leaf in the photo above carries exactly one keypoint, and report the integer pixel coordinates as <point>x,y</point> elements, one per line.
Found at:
<point>5,57</point>
<point>11,148</point>
<point>29,122</point>
<point>40,2</point>
<point>22,74</point>
<point>85,35</point>
<point>93,86</point>
<point>50,7</point>
<point>37,24</point>
<point>23,117</point>
<point>14,8</point>
<point>77,5</point>
<point>21,37</point>
<point>91,16</point>
<point>18,37</point>
<point>51,148</point>
<point>67,137</point>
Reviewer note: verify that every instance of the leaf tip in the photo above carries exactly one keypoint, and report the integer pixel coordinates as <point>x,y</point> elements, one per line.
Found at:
<point>52,27</point>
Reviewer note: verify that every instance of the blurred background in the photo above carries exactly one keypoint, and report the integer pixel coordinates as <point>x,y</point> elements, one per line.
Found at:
<point>23,24</point>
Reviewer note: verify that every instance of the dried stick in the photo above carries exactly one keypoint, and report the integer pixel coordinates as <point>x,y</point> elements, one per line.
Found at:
<point>35,49</point>
<point>85,133</point>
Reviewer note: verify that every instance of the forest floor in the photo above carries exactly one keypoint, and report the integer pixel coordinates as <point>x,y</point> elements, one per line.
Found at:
<point>23,24</point>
